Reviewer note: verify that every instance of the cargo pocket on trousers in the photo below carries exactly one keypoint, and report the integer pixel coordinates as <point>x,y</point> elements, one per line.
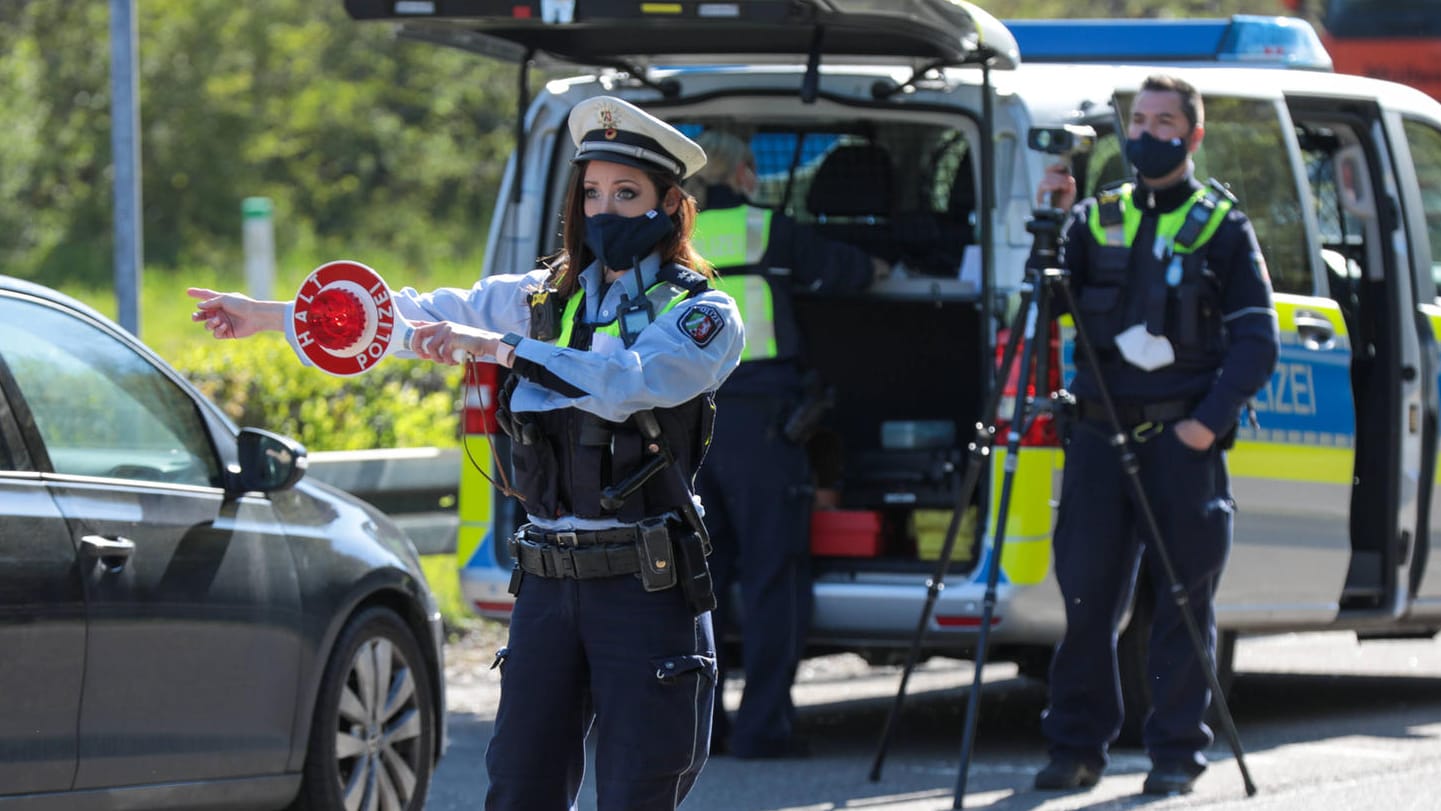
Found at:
<point>673,670</point>
<point>680,710</point>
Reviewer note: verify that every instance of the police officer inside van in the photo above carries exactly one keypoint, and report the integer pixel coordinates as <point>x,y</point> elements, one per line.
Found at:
<point>756,480</point>
<point>1172,289</point>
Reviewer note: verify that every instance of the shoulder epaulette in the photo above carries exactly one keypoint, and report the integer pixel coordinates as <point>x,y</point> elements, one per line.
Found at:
<point>1109,210</point>
<point>685,278</point>
<point>1109,201</point>
<point>1220,188</point>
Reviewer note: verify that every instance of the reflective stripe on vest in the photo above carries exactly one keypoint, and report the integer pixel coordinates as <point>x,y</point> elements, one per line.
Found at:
<point>1167,226</point>
<point>663,296</point>
<point>752,296</point>
<point>732,237</point>
<point>738,238</point>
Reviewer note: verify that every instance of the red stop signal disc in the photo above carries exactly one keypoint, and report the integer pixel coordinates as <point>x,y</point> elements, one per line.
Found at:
<point>344,318</point>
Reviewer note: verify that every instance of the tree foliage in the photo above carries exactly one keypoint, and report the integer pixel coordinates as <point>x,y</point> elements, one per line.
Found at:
<point>361,140</point>
<point>357,137</point>
<point>399,403</point>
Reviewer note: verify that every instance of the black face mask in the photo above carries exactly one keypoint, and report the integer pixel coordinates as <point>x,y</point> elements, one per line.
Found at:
<point>1153,157</point>
<point>620,242</point>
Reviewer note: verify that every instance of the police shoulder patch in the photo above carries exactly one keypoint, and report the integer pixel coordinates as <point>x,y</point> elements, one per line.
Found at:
<point>702,323</point>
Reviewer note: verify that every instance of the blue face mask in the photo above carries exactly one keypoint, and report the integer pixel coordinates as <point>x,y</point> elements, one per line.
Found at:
<point>1153,157</point>
<point>621,242</point>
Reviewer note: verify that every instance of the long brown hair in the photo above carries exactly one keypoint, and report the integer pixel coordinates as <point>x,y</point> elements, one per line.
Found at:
<point>574,255</point>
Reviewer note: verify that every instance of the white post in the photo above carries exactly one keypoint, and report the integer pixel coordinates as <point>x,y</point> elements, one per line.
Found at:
<point>259,239</point>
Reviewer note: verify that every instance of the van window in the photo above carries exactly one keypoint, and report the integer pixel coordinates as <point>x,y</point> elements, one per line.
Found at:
<point>1426,155</point>
<point>1340,230</point>
<point>1246,149</point>
<point>903,191</point>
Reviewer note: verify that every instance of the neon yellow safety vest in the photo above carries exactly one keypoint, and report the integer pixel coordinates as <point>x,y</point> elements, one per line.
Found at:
<point>663,297</point>
<point>1206,208</point>
<point>737,238</point>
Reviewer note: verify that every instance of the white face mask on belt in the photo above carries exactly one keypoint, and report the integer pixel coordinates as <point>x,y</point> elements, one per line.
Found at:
<point>1144,350</point>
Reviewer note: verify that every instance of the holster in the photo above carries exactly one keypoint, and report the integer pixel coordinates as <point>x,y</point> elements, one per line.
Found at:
<point>695,581</point>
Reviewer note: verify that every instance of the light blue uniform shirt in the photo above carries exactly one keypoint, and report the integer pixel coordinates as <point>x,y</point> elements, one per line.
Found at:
<point>665,367</point>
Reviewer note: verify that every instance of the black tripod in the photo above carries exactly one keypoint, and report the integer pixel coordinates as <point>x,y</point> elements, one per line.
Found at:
<point>1033,321</point>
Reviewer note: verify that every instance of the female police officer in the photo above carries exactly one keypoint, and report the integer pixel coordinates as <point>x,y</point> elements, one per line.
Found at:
<point>616,324</point>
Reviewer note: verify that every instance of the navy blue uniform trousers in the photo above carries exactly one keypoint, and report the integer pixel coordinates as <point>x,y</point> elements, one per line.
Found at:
<point>755,485</point>
<point>636,666</point>
<point>1099,544</point>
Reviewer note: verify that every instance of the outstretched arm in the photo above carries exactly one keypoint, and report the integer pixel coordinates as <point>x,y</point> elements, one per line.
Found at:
<point>234,315</point>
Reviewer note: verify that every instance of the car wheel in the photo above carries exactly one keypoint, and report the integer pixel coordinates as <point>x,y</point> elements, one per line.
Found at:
<point>372,744</point>
<point>1132,650</point>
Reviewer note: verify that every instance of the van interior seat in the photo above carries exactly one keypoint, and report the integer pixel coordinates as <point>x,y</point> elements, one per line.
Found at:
<point>850,197</point>
<point>954,228</point>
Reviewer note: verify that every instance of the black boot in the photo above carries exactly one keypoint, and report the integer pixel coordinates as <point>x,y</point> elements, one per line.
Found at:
<point>1061,774</point>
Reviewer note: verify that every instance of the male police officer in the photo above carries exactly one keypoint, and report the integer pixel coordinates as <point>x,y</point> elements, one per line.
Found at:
<point>1173,293</point>
<point>755,483</point>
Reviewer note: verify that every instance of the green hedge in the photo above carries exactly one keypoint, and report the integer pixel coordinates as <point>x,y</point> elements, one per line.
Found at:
<point>261,383</point>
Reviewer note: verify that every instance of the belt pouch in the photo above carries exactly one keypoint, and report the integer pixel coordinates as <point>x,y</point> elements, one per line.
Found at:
<point>657,571</point>
<point>695,578</point>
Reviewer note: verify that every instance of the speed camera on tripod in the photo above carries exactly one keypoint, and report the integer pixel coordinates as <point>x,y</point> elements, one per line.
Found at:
<point>1069,139</point>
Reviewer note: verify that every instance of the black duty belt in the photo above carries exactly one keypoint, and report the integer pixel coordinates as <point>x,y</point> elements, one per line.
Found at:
<point>1132,414</point>
<point>591,537</point>
<point>580,555</point>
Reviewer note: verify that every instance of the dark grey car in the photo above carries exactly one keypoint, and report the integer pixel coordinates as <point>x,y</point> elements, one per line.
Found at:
<point>184,621</point>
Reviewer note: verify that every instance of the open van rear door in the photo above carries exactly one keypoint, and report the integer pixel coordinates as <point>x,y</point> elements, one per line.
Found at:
<point>616,32</point>
<point>631,37</point>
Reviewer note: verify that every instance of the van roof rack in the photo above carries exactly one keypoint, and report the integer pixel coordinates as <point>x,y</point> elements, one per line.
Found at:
<point>603,32</point>
<point>1243,40</point>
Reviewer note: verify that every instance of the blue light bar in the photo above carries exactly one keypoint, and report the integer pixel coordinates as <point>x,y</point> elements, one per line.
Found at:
<point>1241,40</point>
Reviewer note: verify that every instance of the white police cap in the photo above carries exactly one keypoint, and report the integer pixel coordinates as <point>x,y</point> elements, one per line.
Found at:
<point>606,128</point>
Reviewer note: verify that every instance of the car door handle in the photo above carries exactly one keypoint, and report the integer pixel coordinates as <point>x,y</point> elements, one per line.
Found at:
<point>112,552</point>
<point>1316,331</point>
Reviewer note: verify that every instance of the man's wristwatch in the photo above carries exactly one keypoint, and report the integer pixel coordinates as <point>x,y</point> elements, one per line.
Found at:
<point>505,349</point>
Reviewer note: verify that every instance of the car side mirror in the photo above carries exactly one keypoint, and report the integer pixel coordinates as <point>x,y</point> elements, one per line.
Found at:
<point>268,462</point>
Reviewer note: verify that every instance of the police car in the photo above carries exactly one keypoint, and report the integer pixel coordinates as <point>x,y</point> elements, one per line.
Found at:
<point>902,128</point>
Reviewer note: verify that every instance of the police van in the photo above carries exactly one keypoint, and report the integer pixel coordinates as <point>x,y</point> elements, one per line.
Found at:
<point>902,127</point>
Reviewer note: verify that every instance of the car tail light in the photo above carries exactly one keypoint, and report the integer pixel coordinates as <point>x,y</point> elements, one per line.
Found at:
<point>1042,432</point>
<point>480,397</point>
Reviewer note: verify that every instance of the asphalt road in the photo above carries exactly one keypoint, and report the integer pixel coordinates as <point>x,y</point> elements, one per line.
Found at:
<point>1326,723</point>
